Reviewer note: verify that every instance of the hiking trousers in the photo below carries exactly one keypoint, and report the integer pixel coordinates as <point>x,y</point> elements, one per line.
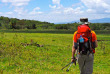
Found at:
<point>85,63</point>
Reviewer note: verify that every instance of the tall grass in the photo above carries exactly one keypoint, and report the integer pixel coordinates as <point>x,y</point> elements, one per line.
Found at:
<point>55,31</point>
<point>20,53</point>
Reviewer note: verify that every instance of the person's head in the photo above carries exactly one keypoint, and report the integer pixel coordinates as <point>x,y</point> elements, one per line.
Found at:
<point>84,21</point>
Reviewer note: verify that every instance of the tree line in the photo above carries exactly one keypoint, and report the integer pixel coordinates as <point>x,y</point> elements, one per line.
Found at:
<point>14,23</point>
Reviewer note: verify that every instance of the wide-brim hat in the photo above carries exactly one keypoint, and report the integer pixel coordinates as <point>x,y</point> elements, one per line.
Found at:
<point>84,21</point>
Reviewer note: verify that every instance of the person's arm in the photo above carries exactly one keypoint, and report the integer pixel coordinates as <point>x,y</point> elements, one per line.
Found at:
<point>73,53</point>
<point>94,39</point>
<point>74,47</point>
<point>96,44</point>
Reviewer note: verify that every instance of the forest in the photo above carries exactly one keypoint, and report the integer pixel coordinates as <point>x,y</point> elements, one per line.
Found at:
<point>14,23</point>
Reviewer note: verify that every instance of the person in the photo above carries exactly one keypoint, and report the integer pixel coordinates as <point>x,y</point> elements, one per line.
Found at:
<point>85,59</point>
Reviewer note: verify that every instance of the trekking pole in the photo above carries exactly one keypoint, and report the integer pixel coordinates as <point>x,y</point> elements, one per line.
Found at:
<point>71,64</point>
<point>67,65</point>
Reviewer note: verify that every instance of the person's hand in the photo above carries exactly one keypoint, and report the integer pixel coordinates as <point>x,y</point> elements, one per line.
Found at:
<point>73,59</point>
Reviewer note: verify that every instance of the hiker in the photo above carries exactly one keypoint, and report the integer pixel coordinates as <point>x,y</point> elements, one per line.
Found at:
<point>85,42</point>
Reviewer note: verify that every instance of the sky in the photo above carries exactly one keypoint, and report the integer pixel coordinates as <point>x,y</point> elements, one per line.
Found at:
<point>55,11</point>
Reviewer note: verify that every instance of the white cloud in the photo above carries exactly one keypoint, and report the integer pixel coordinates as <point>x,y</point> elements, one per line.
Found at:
<point>57,8</point>
<point>16,2</point>
<point>55,12</point>
<point>78,10</point>
<point>0,12</point>
<point>71,10</point>
<point>68,10</point>
<point>56,2</point>
<point>18,7</point>
<point>9,13</point>
<point>19,10</point>
<point>53,7</point>
<point>36,11</point>
<point>107,11</point>
<point>39,12</point>
<point>56,5</point>
<point>61,13</point>
<point>60,6</point>
<point>77,4</point>
<point>60,9</point>
<point>37,8</point>
<point>91,11</point>
<point>98,5</point>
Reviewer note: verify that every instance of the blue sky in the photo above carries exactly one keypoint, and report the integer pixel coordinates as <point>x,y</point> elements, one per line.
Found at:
<point>55,11</point>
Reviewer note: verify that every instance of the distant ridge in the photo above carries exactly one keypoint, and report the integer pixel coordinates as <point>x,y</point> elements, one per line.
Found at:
<point>103,20</point>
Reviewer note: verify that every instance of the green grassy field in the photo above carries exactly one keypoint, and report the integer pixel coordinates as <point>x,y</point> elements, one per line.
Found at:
<point>20,53</point>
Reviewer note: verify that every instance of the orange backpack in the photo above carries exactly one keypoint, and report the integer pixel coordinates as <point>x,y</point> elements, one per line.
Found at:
<point>84,37</point>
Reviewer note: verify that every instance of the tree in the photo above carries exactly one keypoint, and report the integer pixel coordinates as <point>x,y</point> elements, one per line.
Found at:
<point>13,23</point>
<point>0,24</point>
<point>33,26</point>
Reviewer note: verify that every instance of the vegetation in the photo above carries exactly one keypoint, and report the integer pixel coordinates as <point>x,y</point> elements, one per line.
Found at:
<point>46,53</point>
<point>14,23</point>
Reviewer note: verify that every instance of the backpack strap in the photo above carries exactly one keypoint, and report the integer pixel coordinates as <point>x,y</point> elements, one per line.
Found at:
<point>76,36</point>
<point>91,50</point>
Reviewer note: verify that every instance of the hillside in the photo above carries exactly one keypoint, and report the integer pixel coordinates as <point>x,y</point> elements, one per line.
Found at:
<point>14,23</point>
